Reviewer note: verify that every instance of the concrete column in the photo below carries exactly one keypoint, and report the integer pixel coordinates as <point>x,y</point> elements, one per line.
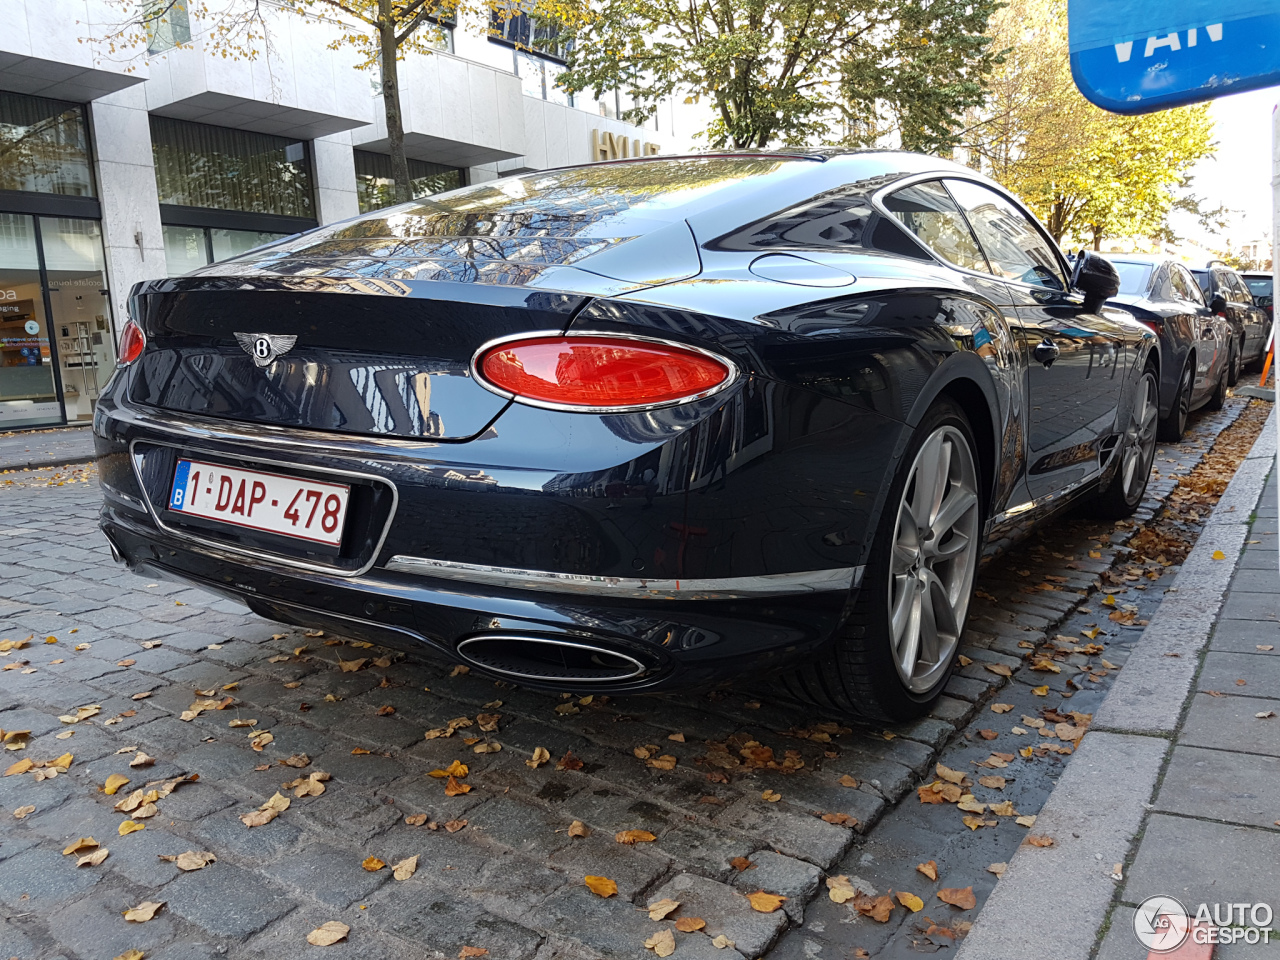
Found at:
<point>126,176</point>
<point>335,172</point>
<point>483,173</point>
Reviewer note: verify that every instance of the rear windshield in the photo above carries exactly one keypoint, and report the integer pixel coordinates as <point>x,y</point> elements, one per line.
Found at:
<point>565,202</point>
<point>1259,286</point>
<point>1134,277</point>
<point>1202,278</point>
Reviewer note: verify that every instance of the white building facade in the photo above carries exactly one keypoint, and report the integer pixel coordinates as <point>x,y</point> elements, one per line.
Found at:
<point>120,167</point>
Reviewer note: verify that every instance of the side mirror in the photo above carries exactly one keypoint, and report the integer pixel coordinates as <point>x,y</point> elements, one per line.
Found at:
<point>1096,278</point>
<point>1218,306</point>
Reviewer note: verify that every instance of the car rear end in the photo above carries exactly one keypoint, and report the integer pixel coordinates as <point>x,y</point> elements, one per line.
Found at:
<point>434,428</point>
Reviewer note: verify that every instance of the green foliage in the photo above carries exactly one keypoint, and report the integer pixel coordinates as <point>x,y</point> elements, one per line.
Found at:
<point>792,71</point>
<point>1087,173</point>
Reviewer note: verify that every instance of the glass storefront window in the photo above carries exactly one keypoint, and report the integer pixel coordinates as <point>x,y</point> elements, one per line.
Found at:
<point>187,248</point>
<point>45,146</point>
<point>232,243</point>
<point>76,277</point>
<point>375,187</point>
<point>217,168</point>
<point>28,396</point>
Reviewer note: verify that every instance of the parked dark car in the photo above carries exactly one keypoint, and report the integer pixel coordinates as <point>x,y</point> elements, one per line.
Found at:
<point>1226,294</point>
<point>1260,285</point>
<point>637,425</point>
<point>1195,343</point>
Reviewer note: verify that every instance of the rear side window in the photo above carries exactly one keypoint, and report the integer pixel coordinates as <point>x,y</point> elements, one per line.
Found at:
<point>1202,280</point>
<point>839,219</point>
<point>1242,294</point>
<point>1014,245</point>
<point>1185,286</point>
<point>928,212</point>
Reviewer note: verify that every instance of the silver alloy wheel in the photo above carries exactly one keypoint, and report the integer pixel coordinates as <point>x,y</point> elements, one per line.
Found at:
<point>1140,439</point>
<point>935,554</point>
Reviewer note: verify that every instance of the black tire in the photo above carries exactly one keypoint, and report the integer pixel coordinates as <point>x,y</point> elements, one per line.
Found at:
<point>1172,427</point>
<point>1234,363</point>
<point>1219,396</point>
<point>1122,495</point>
<point>857,676</point>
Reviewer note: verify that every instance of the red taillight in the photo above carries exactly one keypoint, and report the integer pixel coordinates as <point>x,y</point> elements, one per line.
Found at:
<point>600,372</point>
<point>132,340</point>
<point>1153,327</point>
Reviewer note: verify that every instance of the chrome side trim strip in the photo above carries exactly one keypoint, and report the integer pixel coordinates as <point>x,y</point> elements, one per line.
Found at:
<point>727,588</point>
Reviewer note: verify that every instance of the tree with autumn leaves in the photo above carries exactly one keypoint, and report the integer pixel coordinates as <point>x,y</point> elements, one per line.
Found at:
<point>1087,173</point>
<point>792,72</point>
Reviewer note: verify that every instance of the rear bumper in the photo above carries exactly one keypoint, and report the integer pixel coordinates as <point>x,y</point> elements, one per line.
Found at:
<point>679,642</point>
<point>682,631</point>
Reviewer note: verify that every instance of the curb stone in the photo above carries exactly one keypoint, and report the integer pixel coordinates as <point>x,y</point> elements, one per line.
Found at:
<point>1052,902</point>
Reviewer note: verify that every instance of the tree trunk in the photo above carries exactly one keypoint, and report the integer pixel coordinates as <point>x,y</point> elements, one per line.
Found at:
<point>1097,238</point>
<point>391,101</point>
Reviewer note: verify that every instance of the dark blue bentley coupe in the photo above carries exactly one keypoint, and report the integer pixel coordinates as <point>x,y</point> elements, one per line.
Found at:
<point>637,425</point>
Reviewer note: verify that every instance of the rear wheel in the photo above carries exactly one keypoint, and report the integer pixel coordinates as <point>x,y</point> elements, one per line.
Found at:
<point>897,648</point>
<point>1173,426</point>
<point>1235,363</point>
<point>1219,396</point>
<point>1121,496</point>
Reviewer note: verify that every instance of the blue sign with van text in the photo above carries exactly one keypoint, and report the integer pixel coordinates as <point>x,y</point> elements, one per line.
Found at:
<point>1135,56</point>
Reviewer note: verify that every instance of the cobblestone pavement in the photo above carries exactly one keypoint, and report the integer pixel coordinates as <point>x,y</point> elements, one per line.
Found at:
<point>497,868</point>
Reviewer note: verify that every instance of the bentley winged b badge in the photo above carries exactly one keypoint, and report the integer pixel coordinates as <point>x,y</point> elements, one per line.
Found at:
<point>265,347</point>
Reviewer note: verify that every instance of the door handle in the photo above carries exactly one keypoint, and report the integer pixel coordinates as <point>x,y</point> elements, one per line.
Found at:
<point>1046,351</point>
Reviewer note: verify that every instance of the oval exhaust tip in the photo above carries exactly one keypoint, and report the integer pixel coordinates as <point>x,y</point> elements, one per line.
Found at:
<point>549,659</point>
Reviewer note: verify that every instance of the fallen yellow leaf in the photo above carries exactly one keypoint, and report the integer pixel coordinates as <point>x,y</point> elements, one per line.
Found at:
<point>190,860</point>
<point>143,911</point>
<point>328,934</point>
<point>128,827</point>
<point>93,859</point>
<point>372,864</point>
<point>540,756</point>
<point>114,783</point>
<point>765,902</point>
<point>929,869</point>
<point>600,886</point>
<point>690,924</point>
<point>662,943</point>
<point>659,909</point>
<point>405,868</point>
<point>1219,555</point>
<point>631,837</point>
<point>910,901</point>
<point>839,889</point>
<point>84,843</point>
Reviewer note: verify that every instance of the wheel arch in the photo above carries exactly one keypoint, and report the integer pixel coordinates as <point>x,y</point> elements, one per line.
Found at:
<point>965,380</point>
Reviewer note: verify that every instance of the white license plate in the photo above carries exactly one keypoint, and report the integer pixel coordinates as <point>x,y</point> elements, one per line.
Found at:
<point>271,502</point>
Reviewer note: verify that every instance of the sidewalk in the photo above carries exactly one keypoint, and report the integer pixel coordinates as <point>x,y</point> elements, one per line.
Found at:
<point>1177,783</point>
<point>1212,835</point>
<point>29,449</point>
